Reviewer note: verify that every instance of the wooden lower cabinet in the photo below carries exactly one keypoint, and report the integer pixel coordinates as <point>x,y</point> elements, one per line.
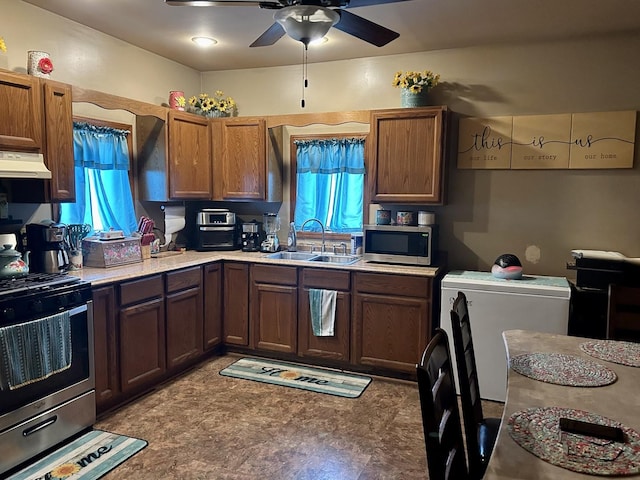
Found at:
<point>184,316</point>
<point>335,347</point>
<point>105,334</point>
<point>274,308</point>
<point>142,332</point>
<point>391,322</point>
<point>236,304</point>
<point>212,292</point>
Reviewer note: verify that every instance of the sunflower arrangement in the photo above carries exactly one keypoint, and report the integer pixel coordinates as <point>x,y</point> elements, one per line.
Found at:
<point>415,82</point>
<point>216,105</point>
<point>3,46</point>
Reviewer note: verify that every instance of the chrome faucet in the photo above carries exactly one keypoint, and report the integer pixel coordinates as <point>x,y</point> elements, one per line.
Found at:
<point>321,226</point>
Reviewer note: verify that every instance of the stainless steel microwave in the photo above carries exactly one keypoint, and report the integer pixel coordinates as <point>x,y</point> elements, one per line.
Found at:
<point>400,244</point>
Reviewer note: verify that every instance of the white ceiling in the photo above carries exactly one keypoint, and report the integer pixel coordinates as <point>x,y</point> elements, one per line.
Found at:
<point>423,25</point>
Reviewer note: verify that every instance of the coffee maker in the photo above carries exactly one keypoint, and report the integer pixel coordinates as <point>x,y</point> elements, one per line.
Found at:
<point>46,247</point>
<point>252,236</point>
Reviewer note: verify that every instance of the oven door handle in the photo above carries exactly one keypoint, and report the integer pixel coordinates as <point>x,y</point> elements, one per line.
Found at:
<point>40,426</point>
<point>77,310</point>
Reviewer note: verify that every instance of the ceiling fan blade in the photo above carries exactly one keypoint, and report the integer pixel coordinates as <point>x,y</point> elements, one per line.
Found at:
<point>368,3</point>
<point>223,3</point>
<point>274,33</point>
<point>364,29</point>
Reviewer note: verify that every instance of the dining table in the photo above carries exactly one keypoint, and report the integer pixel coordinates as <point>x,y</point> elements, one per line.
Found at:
<point>617,401</point>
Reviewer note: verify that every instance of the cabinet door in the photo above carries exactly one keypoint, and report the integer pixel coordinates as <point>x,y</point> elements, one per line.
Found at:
<point>212,305</point>
<point>239,153</point>
<point>59,140</point>
<point>274,308</point>
<point>391,322</point>
<point>236,304</point>
<point>184,326</point>
<point>142,344</point>
<point>189,156</point>
<point>407,153</point>
<point>22,122</point>
<point>337,346</point>
<point>105,346</point>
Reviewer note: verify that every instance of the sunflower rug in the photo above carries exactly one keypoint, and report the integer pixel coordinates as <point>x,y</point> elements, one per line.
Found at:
<point>87,457</point>
<point>298,376</point>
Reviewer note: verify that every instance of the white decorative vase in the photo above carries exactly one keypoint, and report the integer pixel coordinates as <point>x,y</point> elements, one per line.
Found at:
<point>39,64</point>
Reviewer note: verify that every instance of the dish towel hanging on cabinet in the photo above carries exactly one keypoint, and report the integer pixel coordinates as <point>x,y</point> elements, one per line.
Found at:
<point>323,311</point>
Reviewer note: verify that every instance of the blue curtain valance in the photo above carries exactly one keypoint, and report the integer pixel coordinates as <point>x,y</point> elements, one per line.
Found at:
<point>335,155</point>
<point>101,148</point>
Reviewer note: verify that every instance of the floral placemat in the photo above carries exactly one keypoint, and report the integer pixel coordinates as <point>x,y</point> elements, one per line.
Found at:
<point>624,353</point>
<point>537,430</point>
<point>563,369</point>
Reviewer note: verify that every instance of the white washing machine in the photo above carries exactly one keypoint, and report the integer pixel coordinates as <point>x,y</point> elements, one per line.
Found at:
<point>532,303</point>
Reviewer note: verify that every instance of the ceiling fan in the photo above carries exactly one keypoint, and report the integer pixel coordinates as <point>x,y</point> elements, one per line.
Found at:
<point>308,20</point>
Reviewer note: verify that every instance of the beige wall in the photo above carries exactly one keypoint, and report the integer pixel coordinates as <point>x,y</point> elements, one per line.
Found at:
<point>488,212</point>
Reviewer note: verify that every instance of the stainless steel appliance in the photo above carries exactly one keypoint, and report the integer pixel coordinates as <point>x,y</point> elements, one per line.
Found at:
<point>46,246</point>
<point>408,245</point>
<point>216,230</point>
<point>252,236</point>
<point>48,407</point>
<point>271,222</point>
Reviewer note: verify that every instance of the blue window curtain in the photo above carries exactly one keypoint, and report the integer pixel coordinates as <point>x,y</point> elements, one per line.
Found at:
<point>103,192</point>
<point>330,183</point>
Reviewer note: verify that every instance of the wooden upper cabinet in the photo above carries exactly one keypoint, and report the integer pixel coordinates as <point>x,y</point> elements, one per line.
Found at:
<point>189,156</point>
<point>406,155</point>
<point>239,158</point>
<point>58,116</point>
<point>21,120</point>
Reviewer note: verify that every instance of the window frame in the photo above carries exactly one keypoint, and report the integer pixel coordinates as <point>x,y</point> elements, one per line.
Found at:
<point>293,192</point>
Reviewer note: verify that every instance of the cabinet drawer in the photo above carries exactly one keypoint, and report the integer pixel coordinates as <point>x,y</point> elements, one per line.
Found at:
<point>181,279</point>
<point>139,290</point>
<point>323,278</point>
<point>274,274</point>
<point>401,285</point>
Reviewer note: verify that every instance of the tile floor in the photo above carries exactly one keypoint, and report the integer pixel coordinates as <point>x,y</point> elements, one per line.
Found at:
<point>206,426</point>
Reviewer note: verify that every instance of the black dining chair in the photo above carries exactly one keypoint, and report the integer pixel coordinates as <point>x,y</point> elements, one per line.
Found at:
<point>480,432</point>
<point>623,316</point>
<point>440,415</point>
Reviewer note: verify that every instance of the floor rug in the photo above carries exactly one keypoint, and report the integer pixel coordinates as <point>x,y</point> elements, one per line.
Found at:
<point>298,376</point>
<point>86,458</point>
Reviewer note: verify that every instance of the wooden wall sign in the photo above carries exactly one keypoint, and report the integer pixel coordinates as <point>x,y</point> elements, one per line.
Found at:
<point>575,141</point>
<point>485,142</point>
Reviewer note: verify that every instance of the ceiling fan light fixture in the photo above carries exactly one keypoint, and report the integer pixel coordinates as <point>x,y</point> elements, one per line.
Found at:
<point>306,23</point>
<point>204,41</point>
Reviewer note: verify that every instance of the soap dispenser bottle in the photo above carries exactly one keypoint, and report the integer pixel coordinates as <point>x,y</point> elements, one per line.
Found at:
<point>291,239</point>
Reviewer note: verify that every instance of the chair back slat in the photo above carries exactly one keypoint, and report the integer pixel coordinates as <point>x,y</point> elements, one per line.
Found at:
<point>440,414</point>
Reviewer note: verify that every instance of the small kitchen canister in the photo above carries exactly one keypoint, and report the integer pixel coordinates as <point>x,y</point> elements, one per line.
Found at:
<point>383,217</point>
<point>175,98</point>
<point>39,64</point>
<point>426,218</point>
<point>405,218</point>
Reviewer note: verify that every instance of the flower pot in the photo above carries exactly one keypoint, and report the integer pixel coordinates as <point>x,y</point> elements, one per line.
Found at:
<point>216,114</point>
<point>39,64</point>
<point>173,99</point>
<point>409,99</point>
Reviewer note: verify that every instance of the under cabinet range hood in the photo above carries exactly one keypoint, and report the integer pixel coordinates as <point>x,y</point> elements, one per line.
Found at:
<point>23,165</point>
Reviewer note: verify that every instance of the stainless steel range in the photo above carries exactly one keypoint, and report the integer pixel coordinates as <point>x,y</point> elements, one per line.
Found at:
<point>47,384</point>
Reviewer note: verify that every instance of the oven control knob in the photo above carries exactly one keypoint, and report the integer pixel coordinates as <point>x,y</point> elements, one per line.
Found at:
<point>8,313</point>
<point>36,306</point>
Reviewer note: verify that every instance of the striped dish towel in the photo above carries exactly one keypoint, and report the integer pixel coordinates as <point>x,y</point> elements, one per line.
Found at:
<point>322,304</point>
<point>33,351</point>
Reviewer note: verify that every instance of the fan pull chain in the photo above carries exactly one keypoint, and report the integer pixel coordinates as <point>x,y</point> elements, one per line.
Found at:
<point>305,81</point>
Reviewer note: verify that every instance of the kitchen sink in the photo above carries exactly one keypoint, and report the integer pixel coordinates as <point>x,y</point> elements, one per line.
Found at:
<point>292,255</point>
<point>341,259</point>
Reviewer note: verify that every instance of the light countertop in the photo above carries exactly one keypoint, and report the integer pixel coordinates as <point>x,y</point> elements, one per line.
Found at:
<point>176,260</point>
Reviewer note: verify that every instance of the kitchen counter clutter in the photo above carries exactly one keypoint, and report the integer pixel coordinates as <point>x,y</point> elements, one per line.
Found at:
<point>155,318</point>
<point>177,260</point>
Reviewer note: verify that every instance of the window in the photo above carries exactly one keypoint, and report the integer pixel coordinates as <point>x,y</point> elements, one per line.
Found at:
<point>103,188</point>
<point>329,183</point>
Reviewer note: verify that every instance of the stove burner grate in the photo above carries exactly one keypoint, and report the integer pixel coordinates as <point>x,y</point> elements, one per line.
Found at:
<point>35,281</point>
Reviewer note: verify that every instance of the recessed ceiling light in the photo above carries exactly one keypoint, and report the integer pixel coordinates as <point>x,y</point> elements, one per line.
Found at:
<point>204,41</point>
<point>319,41</point>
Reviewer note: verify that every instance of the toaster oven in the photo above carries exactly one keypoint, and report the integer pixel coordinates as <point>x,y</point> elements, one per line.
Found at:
<point>217,230</point>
